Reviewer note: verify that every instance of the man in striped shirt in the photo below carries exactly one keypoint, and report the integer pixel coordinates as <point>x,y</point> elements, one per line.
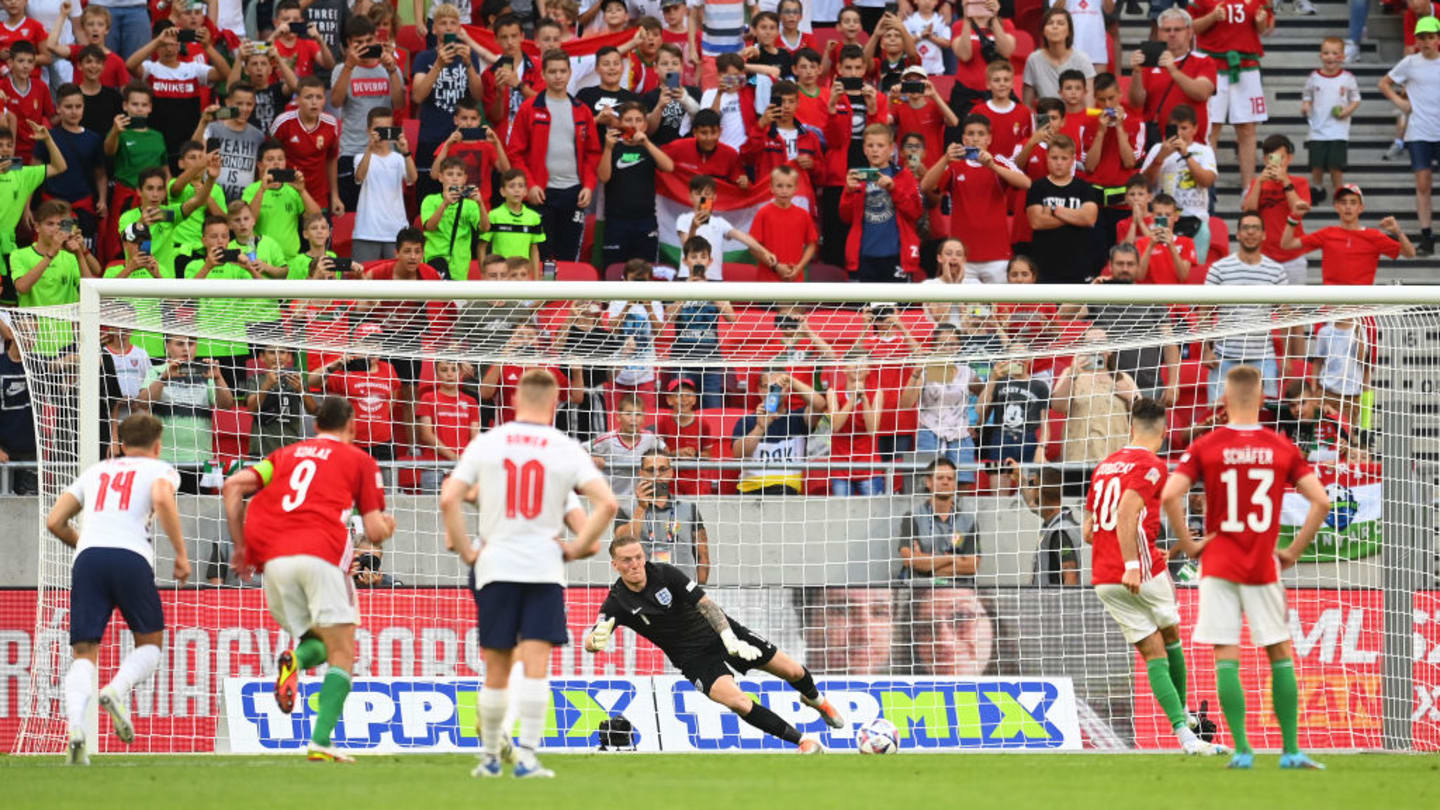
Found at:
<point>1246,266</point>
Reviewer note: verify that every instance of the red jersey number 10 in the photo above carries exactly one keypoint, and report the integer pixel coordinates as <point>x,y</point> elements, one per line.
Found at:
<point>524,488</point>
<point>120,485</point>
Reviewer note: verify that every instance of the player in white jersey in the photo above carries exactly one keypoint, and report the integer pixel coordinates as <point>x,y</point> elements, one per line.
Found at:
<point>523,473</point>
<point>115,567</point>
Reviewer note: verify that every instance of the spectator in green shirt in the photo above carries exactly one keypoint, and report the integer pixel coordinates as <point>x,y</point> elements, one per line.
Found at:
<point>452,218</point>
<point>48,272</point>
<point>134,147</point>
<point>150,226</point>
<point>262,251</point>
<point>199,175</point>
<point>316,230</point>
<point>17,186</point>
<point>515,229</point>
<point>183,393</point>
<point>148,311</point>
<point>279,203</point>
<point>229,320</point>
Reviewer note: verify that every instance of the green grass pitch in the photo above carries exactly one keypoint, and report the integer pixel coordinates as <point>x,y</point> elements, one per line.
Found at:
<point>725,782</point>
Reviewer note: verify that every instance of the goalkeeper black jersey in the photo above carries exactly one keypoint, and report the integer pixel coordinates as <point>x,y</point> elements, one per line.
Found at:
<point>664,612</point>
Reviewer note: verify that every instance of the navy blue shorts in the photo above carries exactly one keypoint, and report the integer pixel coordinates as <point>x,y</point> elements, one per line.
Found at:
<point>104,579</point>
<point>1423,155</point>
<point>510,612</point>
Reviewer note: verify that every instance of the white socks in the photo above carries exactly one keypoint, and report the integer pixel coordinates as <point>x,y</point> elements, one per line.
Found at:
<point>78,690</point>
<point>1185,735</point>
<point>533,697</point>
<point>135,668</point>
<point>492,704</point>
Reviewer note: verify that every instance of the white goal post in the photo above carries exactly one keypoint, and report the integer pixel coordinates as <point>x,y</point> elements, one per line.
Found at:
<point>801,541</point>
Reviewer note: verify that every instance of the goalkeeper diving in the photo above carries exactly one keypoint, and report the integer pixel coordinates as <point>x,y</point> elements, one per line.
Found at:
<point>660,603</point>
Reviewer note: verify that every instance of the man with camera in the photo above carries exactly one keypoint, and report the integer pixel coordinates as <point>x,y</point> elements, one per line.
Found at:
<point>183,393</point>
<point>1169,74</point>
<point>670,530</point>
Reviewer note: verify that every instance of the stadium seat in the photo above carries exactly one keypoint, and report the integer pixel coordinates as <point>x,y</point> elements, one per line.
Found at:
<point>341,234</point>
<point>734,271</point>
<point>1027,16</point>
<point>408,37</point>
<point>474,273</point>
<point>576,271</point>
<point>1024,46</point>
<point>232,432</point>
<point>411,127</point>
<point>615,272</point>
<point>827,273</point>
<point>1219,241</point>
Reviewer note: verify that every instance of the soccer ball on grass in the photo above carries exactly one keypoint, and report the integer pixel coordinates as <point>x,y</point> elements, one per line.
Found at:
<point>878,736</point>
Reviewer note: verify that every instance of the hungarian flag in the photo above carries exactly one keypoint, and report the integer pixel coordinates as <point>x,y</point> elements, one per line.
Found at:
<point>1352,529</point>
<point>584,46</point>
<point>736,205</point>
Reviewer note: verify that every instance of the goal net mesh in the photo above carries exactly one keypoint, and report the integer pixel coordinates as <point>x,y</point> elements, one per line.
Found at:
<point>801,444</point>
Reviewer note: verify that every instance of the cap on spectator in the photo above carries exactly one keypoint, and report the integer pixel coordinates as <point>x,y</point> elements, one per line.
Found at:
<point>1427,25</point>
<point>1349,188</point>
<point>668,3</point>
<point>914,70</point>
<point>605,3</point>
<point>688,382</point>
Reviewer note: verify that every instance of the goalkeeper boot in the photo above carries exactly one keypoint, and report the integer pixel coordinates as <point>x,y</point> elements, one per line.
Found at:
<point>76,751</point>
<point>327,753</point>
<point>831,715</point>
<point>287,682</point>
<point>488,766</point>
<point>810,745</point>
<point>1241,761</point>
<point>1298,761</point>
<point>528,766</point>
<point>119,715</point>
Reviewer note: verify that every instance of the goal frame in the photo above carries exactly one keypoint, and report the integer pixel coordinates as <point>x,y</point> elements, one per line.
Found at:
<point>1404,517</point>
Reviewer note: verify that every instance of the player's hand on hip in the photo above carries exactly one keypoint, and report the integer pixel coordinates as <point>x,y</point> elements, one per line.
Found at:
<point>182,570</point>
<point>743,650</point>
<point>1287,557</point>
<point>599,639</point>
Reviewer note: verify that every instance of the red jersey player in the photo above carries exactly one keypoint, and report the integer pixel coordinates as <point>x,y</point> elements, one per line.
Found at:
<point>295,532</point>
<point>1122,521</point>
<point>1245,469</point>
<point>1229,30</point>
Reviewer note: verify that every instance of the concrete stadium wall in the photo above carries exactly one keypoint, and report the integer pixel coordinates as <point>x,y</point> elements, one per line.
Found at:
<point>796,541</point>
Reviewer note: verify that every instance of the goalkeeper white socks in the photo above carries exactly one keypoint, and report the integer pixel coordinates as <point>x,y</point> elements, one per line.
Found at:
<point>533,697</point>
<point>79,680</point>
<point>493,704</point>
<point>135,668</point>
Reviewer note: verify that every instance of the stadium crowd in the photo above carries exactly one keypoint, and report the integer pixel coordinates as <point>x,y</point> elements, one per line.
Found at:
<point>924,141</point>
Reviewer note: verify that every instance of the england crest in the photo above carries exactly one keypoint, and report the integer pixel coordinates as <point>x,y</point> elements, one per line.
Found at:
<point>663,597</point>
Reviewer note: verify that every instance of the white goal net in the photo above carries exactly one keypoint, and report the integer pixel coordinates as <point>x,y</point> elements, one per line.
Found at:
<point>886,482</point>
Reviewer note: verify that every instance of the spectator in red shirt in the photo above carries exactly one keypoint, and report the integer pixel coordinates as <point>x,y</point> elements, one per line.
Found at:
<point>881,204</point>
<point>1049,118</point>
<point>791,37</point>
<point>785,228</point>
<point>1164,257</point>
<point>371,386</point>
<point>810,106</point>
<point>448,418</point>
<point>851,27</point>
<point>560,189</point>
<point>854,418</point>
<point>500,380</point>
<point>311,138</point>
<point>687,435</point>
<point>1350,253</point>
<point>915,107</point>
<point>1010,121</point>
<point>1180,77</point>
<point>981,38</point>
<point>19,27</point>
<point>1112,144</point>
<point>514,78</point>
<point>890,50</point>
<point>27,99</point>
<point>852,106</point>
<point>482,157</point>
<point>1279,196</point>
<point>777,139</point>
<point>94,28</point>
<point>703,153</point>
<point>979,184</point>
<point>304,52</point>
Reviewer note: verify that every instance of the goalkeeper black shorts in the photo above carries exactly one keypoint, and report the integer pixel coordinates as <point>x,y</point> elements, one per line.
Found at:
<point>713,663</point>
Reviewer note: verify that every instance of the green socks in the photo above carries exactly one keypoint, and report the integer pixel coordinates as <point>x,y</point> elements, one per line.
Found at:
<point>1286,697</point>
<point>1232,700</point>
<point>332,700</point>
<point>1164,690</point>
<point>1175,653</point>
<point>309,653</point>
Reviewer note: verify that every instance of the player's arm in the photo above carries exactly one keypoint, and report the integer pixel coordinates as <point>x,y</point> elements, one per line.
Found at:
<point>162,495</point>
<point>1172,500</point>
<point>1127,531</point>
<point>603,507</point>
<point>702,556</point>
<point>58,522</point>
<point>379,525</point>
<point>452,511</point>
<point>1314,492</point>
<point>237,488</point>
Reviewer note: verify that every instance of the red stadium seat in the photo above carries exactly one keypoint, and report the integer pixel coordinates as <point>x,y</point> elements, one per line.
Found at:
<point>828,273</point>
<point>411,127</point>
<point>342,229</point>
<point>576,271</point>
<point>734,271</point>
<point>232,432</point>
<point>615,272</point>
<point>1219,241</point>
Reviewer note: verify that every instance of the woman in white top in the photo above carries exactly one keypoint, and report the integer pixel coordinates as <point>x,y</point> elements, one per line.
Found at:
<point>1088,19</point>
<point>943,389</point>
<point>949,269</point>
<point>1057,53</point>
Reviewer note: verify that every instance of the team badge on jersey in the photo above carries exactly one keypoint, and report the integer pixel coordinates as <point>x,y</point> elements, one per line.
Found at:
<point>663,597</point>
<point>1153,475</point>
